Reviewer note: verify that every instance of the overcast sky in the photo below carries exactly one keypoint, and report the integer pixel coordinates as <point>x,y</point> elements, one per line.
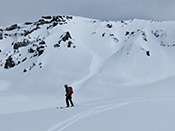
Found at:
<point>20,11</point>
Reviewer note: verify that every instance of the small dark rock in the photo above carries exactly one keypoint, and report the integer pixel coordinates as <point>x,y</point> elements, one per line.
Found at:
<point>69,17</point>
<point>31,50</point>
<point>127,33</point>
<point>56,45</point>
<point>145,39</point>
<point>47,17</point>
<point>24,70</point>
<point>42,43</point>
<point>132,33</point>
<point>1,36</point>
<point>156,33</point>
<point>69,44</point>
<point>109,25</point>
<point>144,36</point>
<point>28,23</point>
<point>18,63</point>
<point>147,53</point>
<point>103,34</point>
<point>24,59</point>
<point>6,34</point>
<point>55,24</point>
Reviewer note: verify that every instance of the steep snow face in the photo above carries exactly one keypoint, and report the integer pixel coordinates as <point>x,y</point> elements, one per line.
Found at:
<point>42,56</point>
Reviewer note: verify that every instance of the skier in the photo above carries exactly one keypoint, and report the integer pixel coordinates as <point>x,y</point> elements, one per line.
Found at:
<point>69,92</point>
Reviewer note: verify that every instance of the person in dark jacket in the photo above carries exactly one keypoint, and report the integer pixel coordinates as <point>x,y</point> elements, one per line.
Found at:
<point>68,96</point>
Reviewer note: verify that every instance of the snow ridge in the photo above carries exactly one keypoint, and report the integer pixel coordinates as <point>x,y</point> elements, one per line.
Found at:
<point>82,51</point>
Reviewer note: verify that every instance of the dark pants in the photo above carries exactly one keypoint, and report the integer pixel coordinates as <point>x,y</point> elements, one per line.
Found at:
<point>69,98</point>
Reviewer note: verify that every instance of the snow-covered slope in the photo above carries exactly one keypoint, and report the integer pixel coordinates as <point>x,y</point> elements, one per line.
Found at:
<point>46,54</point>
<point>108,62</point>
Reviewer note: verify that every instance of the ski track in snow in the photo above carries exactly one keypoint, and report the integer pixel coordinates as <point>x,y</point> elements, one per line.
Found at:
<point>60,126</point>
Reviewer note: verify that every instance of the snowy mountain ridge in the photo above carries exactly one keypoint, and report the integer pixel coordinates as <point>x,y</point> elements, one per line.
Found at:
<point>81,50</point>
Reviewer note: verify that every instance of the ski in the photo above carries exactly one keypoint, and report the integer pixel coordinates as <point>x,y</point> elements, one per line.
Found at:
<point>63,107</point>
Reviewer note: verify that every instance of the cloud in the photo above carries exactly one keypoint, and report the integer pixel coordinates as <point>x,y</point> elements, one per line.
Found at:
<point>31,10</point>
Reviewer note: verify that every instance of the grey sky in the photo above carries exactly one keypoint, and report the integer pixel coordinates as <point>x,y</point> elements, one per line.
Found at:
<point>19,11</point>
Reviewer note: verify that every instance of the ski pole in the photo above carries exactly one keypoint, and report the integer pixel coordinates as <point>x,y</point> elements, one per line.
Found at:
<point>75,103</point>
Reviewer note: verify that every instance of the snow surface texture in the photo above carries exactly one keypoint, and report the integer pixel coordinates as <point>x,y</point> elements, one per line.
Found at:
<point>122,74</point>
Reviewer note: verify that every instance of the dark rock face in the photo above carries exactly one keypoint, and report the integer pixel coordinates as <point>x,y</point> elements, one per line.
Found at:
<point>27,32</point>
<point>40,50</point>
<point>65,40</point>
<point>56,45</point>
<point>144,36</point>
<point>53,19</point>
<point>12,27</point>
<point>158,33</point>
<point>24,39</point>
<point>23,43</point>
<point>1,36</point>
<point>42,43</point>
<point>67,36</point>
<point>31,50</point>
<point>37,50</point>
<point>9,63</point>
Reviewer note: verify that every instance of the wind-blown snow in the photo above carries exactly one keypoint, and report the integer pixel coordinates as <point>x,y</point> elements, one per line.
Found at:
<point>122,74</point>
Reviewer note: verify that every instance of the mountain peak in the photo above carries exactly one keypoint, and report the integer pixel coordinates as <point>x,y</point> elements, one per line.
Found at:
<point>137,50</point>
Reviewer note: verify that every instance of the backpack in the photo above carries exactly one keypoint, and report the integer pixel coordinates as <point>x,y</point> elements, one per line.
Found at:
<point>71,90</point>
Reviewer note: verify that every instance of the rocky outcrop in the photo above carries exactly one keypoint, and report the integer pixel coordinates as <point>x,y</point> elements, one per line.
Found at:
<point>65,41</point>
<point>9,63</point>
<point>18,44</point>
